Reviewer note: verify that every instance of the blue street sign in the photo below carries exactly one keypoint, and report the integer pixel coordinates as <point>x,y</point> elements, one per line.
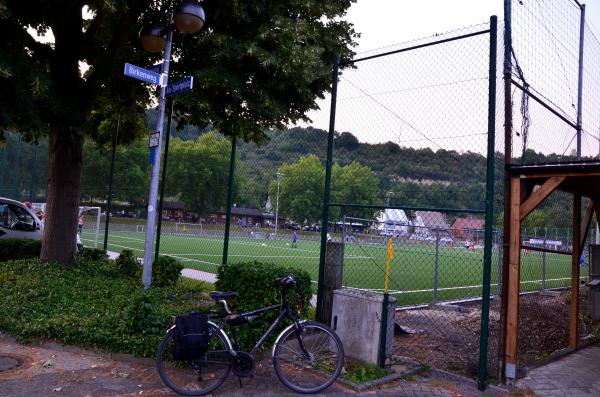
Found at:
<point>142,74</point>
<point>156,68</point>
<point>180,86</point>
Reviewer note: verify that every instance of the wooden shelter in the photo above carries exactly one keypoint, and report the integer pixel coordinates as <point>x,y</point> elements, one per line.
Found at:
<point>530,185</point>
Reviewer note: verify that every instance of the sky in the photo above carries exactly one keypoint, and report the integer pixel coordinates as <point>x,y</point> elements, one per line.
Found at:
<point>386,22</point>
<point>371,104</point>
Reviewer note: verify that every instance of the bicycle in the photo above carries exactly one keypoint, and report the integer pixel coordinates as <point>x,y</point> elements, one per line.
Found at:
<point>307,356</point>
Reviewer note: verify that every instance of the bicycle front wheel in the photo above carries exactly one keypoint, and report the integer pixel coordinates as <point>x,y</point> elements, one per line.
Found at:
<point>314,367</point>
<point>199,376</point>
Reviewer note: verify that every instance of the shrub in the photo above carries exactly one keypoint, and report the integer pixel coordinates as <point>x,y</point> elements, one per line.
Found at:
<point>91,254</point>
<point>16,248</point>
<point>89,308</point>
<point>128,265</point>
<point>254,283</point>
<point>166,271</point>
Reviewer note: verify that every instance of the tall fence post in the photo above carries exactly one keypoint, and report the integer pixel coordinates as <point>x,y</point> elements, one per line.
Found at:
<point>544,261</point>
<point>229,202</point>
<point>327,193</point>
<point>163,179</point>
<point>489,211</point>
<point>110,183</point>
<point>436,267</point>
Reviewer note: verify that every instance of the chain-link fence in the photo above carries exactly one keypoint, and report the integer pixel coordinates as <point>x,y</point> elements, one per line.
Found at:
<point>409,179</point>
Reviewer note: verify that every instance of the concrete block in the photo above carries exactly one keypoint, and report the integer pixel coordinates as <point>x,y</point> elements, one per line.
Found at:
<point>357,321</point>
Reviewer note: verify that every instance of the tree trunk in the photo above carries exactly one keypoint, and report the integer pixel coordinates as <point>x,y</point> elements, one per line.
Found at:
<point>65,150</point>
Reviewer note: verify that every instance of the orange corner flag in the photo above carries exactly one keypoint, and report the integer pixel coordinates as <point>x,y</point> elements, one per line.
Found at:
<point>390,256</point>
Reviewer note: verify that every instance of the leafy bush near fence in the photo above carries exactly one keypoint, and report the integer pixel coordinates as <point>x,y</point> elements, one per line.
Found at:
<point>254,283</point>
<point>16,248</point>
<point>165,271</point>
<point>91,304</point>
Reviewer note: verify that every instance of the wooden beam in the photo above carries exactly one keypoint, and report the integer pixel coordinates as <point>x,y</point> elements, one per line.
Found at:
<point>574,312</point>
<point>514,253</point>
<point>542,174</point>
<point>585,224</point>
<point>539,195</point>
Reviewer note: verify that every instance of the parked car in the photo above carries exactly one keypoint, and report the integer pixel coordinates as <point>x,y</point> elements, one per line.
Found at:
<point>19,221</point>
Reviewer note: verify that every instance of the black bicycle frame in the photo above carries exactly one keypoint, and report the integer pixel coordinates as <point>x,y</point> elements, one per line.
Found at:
<point>285,313</point>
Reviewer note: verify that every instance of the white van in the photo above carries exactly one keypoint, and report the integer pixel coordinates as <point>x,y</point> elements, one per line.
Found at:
<point>18,221</point>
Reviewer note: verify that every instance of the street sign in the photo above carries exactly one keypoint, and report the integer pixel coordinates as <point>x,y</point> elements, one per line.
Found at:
<point>153,139</point>
<point>180,86</point>
<point>142,74</point>
<point>156,68</point>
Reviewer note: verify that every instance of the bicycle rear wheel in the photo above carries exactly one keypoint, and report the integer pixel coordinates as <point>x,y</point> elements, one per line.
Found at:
<point>313,372</point>
<point>195,377</point>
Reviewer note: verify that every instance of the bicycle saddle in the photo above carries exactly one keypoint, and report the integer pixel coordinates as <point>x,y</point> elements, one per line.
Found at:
<point>218,295</point>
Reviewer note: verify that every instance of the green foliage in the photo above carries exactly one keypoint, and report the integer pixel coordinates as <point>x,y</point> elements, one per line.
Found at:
<point>362,373</point>
<point>128,265</point>
<point>254,283</point>
<point>89,305</point>
<point>257,65</point>
<point>16,248</point>
<point>91,254</point>
<point>199,171</point>
<point>301,189</point>
<point>165,271</point>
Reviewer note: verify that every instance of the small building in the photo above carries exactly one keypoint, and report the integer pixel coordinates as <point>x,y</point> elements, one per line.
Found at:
<point>471,229</point>
<point>244,217</point>
<point>426,223</point>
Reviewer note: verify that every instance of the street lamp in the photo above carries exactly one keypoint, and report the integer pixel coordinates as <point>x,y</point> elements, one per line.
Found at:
<point>278,175</point>
<point>187,17</point>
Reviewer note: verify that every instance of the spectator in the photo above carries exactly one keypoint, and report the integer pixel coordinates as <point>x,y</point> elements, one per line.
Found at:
<point>80,223</point>
<point>328,237</point>
<point>28,204</point>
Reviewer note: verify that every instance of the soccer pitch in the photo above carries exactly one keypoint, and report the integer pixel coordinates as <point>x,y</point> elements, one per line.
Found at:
<point>412,270</point>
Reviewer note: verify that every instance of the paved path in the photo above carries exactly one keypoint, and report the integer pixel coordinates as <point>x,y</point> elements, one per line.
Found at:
<point>51,369</point>
<point>575,375</point>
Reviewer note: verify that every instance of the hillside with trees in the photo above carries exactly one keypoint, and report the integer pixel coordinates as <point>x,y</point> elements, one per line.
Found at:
<point>363,173</point>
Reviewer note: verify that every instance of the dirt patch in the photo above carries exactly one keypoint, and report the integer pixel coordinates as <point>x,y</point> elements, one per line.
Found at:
<point>449,339</point>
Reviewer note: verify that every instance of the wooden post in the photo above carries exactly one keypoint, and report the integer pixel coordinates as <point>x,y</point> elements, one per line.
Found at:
<point>573,337</point>
<point>512,317</point>
<point>332,280</point>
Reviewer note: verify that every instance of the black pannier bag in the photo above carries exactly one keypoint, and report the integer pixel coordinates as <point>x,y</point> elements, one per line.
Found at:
<point>190,336</point>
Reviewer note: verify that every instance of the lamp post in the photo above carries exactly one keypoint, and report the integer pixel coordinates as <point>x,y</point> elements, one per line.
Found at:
<point>278,175</point>
<point>187,17</point>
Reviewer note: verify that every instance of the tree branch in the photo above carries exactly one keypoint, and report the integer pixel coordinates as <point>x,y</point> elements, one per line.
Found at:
<point>119,37</point>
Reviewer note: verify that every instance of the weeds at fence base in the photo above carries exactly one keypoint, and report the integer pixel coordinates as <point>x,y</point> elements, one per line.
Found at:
<point>362,376</point>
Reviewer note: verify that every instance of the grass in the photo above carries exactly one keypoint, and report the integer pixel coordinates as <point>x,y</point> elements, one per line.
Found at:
<point>412,271</point>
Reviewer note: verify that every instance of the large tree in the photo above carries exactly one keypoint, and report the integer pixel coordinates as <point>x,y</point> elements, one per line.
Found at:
<point>256,63</point>
<point>198,172</point>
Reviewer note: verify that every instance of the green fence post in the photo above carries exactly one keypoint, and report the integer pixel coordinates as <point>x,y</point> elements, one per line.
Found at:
<point>489,211</point>
<point>163,179</point>
<point>326,196</point>
<point>110,183</point>
<point>229,201</point>
<point>383,331</point>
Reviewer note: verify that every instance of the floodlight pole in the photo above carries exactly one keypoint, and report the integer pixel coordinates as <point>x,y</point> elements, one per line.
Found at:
<point>155,155</point>
<point>278,175</point>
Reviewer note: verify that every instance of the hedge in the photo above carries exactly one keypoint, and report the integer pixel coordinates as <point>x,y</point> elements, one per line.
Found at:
<point>254,283</point>
<point>91,304</point>
<point>16,248</point>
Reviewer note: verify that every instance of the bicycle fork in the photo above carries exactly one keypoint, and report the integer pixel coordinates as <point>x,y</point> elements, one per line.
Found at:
<point>309,356</point>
